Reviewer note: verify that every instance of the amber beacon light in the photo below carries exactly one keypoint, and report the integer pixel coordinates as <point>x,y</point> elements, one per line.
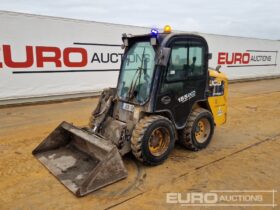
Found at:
<point>167,29</point>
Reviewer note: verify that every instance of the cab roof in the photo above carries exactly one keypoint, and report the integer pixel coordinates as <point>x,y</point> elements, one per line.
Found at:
<point>162,38</point>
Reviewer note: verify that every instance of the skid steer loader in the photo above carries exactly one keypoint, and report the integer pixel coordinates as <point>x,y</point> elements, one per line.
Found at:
<point>165,93</point>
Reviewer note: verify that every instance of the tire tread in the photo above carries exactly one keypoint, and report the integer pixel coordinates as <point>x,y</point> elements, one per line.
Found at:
<point>138,135</point>
<point>185,135</point>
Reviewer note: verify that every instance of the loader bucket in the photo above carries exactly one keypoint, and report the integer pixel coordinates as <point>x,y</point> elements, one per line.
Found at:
<point>82,161</point>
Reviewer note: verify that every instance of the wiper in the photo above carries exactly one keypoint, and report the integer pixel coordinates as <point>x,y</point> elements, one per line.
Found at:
<point>132,83</point>
<point>137,76</point>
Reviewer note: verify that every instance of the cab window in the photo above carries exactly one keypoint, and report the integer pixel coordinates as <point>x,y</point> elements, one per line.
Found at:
<point>185,62</point>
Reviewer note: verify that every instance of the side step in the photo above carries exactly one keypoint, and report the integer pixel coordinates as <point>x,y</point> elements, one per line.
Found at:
<point>82,161</point>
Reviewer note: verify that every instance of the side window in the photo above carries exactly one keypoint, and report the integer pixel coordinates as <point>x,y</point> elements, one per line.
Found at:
<point>196,61</point>
<point>177,63</point>
<point>186,61</point>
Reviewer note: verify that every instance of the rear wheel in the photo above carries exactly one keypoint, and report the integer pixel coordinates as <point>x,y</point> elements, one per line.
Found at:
<point>198,131</point>
<point>152,139</point>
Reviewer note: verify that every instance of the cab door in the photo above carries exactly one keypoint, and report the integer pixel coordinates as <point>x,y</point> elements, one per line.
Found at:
<point>185,78</point>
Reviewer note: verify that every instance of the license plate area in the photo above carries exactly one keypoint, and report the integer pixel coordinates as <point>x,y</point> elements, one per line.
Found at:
<point>128,107</point>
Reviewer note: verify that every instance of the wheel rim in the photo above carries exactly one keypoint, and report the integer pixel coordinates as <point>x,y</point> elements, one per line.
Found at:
<point>159,141</point>
<point>202,130</point>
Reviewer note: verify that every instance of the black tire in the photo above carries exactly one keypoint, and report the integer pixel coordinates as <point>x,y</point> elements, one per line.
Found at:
<point>143,135</point>
<point>188,137</point>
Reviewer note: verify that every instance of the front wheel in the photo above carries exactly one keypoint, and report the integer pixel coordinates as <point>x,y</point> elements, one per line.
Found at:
<point>152,139</point>
<point>198,131</point>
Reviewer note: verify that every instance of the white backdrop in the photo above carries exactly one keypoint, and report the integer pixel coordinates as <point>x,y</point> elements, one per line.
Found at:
<point>21,74</point>
<point>257,48</point>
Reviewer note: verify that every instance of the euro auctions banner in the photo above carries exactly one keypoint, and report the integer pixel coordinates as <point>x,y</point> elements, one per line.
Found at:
<point>243,58</point>
<point>77,57</point>
<point>47,56</point>
<point>248,58</point>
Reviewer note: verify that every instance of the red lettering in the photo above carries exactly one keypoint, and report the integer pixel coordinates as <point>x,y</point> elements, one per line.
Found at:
<point>246,58</point>
<point>221,58</point>
<point>227,58</point>
<point>238,58</point>
<point>46,54</point>
<point>70,50</point>
<point>41,58</point>
<point>12,64</point>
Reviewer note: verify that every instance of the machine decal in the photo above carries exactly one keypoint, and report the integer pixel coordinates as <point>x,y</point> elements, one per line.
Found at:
<point>220,111</point>
<point>187,97</point>
<point>216,87</point>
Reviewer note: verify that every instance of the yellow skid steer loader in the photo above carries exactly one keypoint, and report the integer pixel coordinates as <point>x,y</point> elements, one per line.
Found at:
<point>166,92</point>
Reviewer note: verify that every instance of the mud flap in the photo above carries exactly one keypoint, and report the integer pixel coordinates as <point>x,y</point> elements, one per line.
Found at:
<point>82,161</point>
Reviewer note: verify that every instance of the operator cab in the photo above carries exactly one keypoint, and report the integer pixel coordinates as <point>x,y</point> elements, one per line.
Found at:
<point>164,71</point>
